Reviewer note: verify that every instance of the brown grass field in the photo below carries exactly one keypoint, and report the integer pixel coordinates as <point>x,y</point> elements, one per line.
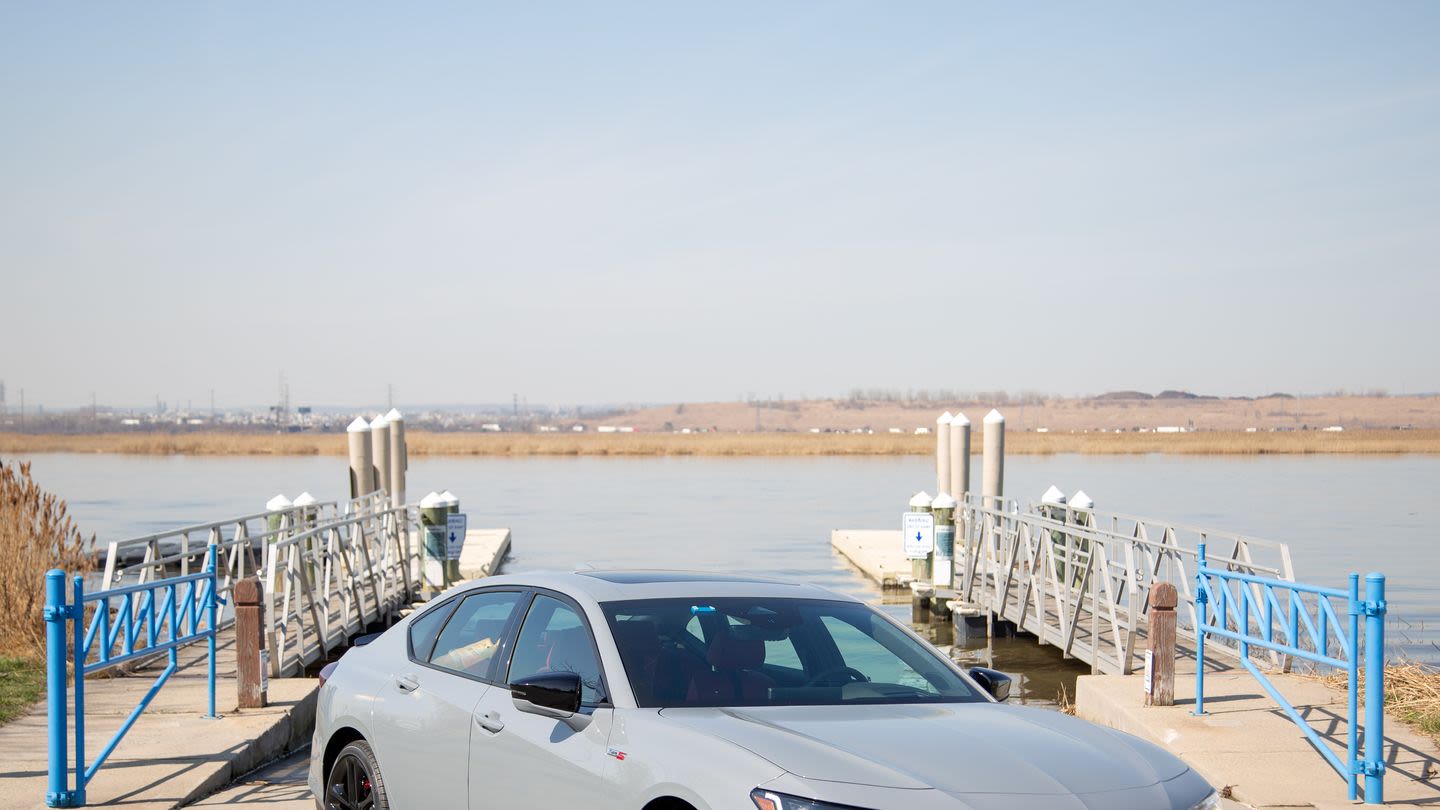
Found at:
<point>1379,442</point>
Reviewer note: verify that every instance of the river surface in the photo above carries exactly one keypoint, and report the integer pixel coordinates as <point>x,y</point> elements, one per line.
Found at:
<point>773,516</point>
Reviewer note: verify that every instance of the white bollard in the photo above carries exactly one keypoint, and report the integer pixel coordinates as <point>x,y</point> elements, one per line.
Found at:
<point>399,460</point>
<point>943,568</point>
<point>274,521</point>
<point>306,516</point>
<point>992,484</point>
<point>362,461</point>
<point>1082,505</point>
<point>942,454</point>
<point>959,456</point>
<point>380,452</point>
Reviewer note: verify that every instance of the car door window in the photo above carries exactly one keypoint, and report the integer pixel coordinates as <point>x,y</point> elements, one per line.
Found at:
<point>555,639</point>
<point>472,637</point>
<point>426,627</point>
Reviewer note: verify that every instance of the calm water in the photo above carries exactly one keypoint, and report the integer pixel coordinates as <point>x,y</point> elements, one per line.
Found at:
<point>774,516</point>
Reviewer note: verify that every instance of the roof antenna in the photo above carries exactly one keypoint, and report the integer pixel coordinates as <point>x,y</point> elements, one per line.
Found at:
<point>586,565</point>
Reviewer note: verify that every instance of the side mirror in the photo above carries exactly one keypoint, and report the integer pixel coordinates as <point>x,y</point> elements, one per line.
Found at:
<point>550,694</point>
<point>994,681</point>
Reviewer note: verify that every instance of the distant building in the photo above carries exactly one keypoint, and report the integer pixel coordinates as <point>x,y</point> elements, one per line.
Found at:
<point>490,426</point>
<point>1335,429</point>
<point>920,430</point>
<point>606,429</point>
<point>1170,429</point>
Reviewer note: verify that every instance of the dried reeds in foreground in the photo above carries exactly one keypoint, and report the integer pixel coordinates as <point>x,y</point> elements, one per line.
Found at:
<point>36,534</point>
<point>1412,694</point>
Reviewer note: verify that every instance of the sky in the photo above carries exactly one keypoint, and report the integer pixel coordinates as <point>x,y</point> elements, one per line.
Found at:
<point>662,202</point>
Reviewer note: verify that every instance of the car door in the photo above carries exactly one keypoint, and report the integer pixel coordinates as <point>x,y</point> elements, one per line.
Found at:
<point>518,759</point>
<point>424,714</point>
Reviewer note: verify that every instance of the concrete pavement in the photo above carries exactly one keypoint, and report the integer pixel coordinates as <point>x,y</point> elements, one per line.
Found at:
<point>279,786</point>
<point>173,754</point>
<point>1247,743</point>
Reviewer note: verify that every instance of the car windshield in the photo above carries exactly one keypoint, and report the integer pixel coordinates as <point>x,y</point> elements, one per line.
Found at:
<point>774,652</point>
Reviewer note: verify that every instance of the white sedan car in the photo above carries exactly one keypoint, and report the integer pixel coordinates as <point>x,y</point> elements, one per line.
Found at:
<point>685,691</point>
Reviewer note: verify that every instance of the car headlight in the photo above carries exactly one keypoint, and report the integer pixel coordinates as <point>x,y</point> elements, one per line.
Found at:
<point>1211,802</point>
<point>769,800</point>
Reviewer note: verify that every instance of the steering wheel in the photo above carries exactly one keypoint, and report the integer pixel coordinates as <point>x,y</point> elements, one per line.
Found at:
<point>852,676</point>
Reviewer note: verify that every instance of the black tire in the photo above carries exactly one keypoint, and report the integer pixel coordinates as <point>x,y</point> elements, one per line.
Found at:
<point>354,781</point>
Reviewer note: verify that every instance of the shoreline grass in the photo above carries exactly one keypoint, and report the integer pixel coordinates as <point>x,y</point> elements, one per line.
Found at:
<point>423,443</point>
<point>1412,694</point>
<point>22,684</point>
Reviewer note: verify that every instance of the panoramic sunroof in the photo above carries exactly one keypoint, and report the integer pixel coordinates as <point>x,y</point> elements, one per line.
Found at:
<point>647,577</point>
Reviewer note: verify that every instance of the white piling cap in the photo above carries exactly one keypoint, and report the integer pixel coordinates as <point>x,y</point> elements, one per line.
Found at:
<point>379,422</point>
<point>278,503</point>
<point>1081,501</point>
<point>960,419</point>
<point>432,501</point>
<point>305,499</point>
<point>394,416</point>
<point>1053,497</point>
<point>944,418</point>
<point>358,426</point>
<point>943,501</point>
<point>449,498</point>
<point>994,417</point>
<point>921,500</point>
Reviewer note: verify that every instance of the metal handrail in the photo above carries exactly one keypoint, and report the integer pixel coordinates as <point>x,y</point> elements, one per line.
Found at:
<point>188,615</point>
<point>1234,617</point>
<point>1054,571</point>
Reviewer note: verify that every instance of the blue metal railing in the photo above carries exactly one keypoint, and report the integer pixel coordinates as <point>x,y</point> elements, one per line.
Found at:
<point>1242,601</point>
<point>142,620</point>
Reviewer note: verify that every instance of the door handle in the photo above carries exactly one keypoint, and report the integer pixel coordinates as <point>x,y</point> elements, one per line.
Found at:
<point>406,683</point>
<point>490,721</point>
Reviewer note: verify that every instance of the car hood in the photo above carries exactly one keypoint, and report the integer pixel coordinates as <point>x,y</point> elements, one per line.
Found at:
<point>955,747</point>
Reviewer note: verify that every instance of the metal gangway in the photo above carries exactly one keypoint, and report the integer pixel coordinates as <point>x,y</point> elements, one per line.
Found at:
<point>1079,579</point>
<point>327,570</point>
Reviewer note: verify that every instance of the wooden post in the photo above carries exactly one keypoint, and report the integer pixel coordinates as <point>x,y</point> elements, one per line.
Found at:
<point>943,565</point>
<point>251,679</point>
<point>433,510</point>
<point>942,455</point>
<point>1160,655</point>
<point>380,453</point>
<point>959,457</point>
<point>398,460</point>
<point>992,482</point>
<point>362,458</point>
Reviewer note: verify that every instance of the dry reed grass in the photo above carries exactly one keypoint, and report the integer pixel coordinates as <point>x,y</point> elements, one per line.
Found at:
<point>422,443</point>
<point>1412,694</point>
<point>36,535</point>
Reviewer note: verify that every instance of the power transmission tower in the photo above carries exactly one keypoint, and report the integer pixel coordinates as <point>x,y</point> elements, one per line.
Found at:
<point>282,410</point>
<point>390,396</point>
<point>2,397</point>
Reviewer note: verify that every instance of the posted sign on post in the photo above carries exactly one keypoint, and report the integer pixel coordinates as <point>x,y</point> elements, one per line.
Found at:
<point>454,536</point>
<point>918,529</point>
